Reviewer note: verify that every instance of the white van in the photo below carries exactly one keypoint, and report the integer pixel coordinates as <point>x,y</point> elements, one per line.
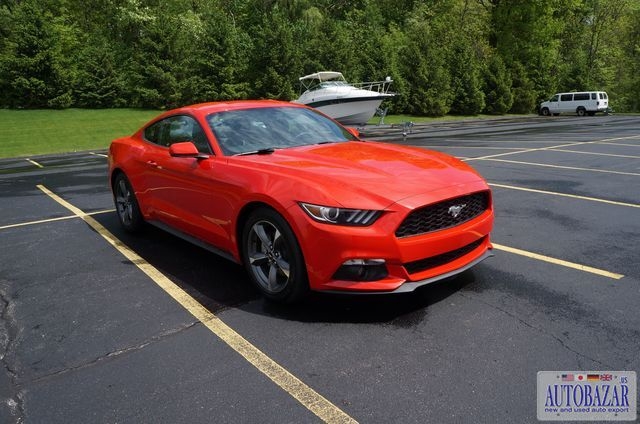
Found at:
<point>582,103</point>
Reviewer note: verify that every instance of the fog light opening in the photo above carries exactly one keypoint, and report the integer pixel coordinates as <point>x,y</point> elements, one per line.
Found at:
<point>362,270</point>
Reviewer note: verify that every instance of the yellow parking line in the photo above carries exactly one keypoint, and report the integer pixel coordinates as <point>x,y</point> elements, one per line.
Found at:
<point>573,196</point>
<point>33,162</point>
<point>44,221</point>
<point>596,153</point>
<point>564,167</point>
<point>41,221</point>
<point>560,262</point>
<point>304,394</point>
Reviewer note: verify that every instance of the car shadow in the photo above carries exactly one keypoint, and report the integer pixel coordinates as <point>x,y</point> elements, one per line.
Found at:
<point>401,310</point>
<point>219,284</point>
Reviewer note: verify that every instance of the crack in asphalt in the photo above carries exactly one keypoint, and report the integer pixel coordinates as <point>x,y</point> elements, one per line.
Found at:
<point>8,332</point>
<point>579,355</point>
<point>118,352</point>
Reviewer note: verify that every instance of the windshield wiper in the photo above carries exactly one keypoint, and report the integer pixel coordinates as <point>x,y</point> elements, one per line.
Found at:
<point>266,151</point>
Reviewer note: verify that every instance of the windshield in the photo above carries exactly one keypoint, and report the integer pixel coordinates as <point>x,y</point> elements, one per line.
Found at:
<point>261,129</point>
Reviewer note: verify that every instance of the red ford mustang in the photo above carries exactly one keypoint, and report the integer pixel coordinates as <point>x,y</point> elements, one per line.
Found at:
<point>300,200</point>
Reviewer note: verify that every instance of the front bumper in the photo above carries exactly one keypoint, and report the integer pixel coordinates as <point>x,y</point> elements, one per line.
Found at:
<point>411,262</point>
<point>410,286</point>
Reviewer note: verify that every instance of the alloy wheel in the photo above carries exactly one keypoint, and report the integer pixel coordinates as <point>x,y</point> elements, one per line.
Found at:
<point>268,255</point>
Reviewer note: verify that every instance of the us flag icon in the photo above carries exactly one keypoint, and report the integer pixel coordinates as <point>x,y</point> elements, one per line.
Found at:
<point>567,377</point>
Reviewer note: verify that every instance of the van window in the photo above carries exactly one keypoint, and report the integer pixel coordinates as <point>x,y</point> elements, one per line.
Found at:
<point>581,96</point>
<point>554,98</point>
<point>603,95</point>
<point>594,96</point>
<point>566,97</point>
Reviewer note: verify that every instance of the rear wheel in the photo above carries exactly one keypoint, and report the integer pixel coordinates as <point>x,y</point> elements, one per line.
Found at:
<point>272,257</point>
<point>581,111</point>
<point>126,203</point>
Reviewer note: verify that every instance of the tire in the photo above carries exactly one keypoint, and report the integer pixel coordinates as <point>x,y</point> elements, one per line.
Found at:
<point>545,111</point>
<point>581,111</point>
<point>127,207</point>
<point>273,258</point>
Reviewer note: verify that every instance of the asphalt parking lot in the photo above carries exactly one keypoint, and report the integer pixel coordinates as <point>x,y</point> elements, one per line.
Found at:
<point>103,327</point>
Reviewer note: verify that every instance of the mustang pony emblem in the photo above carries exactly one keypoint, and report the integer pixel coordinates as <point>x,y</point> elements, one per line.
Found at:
<point>454,211</point>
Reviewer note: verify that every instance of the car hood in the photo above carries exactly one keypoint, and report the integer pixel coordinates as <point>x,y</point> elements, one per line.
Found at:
<point>359,173</point>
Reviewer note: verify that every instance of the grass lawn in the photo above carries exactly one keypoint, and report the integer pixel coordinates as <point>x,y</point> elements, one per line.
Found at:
<point>34,132</point>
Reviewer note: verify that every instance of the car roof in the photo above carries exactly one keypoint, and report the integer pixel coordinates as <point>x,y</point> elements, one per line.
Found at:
<point>204,109</point>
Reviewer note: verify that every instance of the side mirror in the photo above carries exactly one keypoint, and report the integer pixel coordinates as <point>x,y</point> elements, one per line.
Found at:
<point>186,149</point>
<point>354,131</point>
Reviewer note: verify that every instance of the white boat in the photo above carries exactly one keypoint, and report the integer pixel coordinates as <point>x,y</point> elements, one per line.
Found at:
<point>347,103</point>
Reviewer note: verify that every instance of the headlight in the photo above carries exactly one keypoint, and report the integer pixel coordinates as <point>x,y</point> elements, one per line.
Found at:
<point>341,216</point>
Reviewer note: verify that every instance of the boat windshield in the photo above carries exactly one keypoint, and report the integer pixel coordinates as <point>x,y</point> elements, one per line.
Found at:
<point>328,84</point>
<point>264,129</point>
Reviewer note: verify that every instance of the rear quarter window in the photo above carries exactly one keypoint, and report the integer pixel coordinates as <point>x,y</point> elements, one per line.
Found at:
<point>152,133</point>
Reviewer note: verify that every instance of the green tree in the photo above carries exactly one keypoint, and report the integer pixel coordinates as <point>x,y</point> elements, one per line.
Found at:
<point>99,84</point>
<point>624,95</point>
<point>497,87</point>
<point>425,64</point>
<point>275,59</point>
<point>526,35</point>
<point>38,57</point>
<point>466,81</point>
<point>524,93</point>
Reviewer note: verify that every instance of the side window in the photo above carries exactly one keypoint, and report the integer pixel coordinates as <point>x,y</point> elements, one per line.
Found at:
<point>581,96</point>
<point>566,97</point>
<point>554,98</point>
<point>158,133</point>
<point>177,129</point>
<point>594,96</point>
<point>199,138</point>
<point>152,132</point>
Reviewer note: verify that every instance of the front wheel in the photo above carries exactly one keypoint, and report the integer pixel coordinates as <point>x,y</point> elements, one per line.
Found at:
<point>126,203</point>
<point>545,111</point>
<point>273,258</point>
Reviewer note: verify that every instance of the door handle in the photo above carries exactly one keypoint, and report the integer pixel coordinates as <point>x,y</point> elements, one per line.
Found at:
<point>152,163</point>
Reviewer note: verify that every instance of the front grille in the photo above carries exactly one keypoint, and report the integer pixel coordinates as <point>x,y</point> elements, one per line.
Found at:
<point>444,258</point>
<point>441,215</point>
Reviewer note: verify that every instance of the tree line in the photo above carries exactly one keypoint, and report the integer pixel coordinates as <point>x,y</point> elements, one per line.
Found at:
<point>445,56</point>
